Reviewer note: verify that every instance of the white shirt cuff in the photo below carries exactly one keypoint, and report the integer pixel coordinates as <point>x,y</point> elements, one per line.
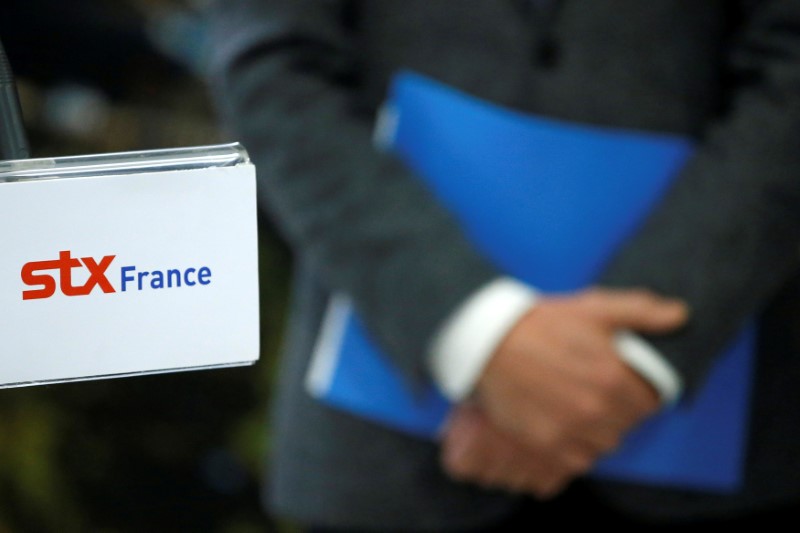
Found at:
<point>465,343</point>
<point>469,337</point>
<point>650,365</point>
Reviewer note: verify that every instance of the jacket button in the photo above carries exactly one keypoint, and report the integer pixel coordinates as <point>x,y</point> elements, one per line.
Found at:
<point>545,54</point>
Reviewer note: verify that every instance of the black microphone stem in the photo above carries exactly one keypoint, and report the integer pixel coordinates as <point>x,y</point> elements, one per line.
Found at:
<point>13,143</point>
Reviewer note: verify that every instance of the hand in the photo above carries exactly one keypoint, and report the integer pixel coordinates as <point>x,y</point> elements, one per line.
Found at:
<point>558,389</point>
<point>475,450</point>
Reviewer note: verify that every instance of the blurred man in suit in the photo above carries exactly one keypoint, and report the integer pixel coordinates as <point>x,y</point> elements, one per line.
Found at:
<point>300,82</point>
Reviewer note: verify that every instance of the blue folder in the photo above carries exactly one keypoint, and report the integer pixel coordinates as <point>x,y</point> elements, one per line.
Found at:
<point>549,202</point>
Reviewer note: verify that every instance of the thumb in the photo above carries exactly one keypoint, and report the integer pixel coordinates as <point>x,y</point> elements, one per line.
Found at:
<point>637,309</point>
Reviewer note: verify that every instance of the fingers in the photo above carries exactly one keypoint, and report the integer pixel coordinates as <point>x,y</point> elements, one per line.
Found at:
<point>618,395</point>
<point>636,309</point>
<point>574,391</point>
<point>475,451</point>
<point>589,375</point>
<point>579,430</point>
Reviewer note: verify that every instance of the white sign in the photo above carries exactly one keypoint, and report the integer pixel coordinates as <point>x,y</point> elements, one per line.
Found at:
<point>117,275</point>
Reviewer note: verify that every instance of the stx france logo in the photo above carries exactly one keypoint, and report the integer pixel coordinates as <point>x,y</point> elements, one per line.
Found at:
<point>33,275</point>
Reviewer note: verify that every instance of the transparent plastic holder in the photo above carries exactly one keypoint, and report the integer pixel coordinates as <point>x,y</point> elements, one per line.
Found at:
<point>120,163</point>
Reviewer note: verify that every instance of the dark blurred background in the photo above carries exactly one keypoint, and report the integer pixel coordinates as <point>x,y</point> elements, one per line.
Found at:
<point>177,452</point>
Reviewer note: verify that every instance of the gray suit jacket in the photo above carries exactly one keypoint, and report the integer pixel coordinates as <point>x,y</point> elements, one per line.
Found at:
<point>299,82</point>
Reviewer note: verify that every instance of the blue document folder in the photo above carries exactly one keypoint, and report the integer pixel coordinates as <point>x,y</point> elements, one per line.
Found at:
<point>549,202</point>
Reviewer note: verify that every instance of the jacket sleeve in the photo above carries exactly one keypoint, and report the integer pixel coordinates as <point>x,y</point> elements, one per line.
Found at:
<point>286,74</point>
<point>727,236</point>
